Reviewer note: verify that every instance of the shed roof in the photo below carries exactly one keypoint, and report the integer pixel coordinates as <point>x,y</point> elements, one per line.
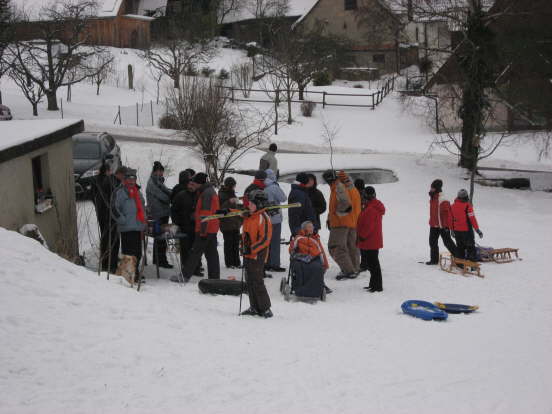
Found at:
<point>21,137</point>
<point>295,8</point>
<point>33,8</point>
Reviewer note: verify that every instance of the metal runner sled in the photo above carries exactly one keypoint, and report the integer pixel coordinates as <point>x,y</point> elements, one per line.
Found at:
<point>454,265</point>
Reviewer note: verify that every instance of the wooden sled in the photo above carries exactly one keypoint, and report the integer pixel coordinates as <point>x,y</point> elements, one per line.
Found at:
<point>505,255</point>
<point>454,265</point>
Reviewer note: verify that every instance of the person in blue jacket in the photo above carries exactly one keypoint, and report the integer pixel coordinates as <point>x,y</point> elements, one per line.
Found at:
<point>275,196</point>
<point>300,194</point>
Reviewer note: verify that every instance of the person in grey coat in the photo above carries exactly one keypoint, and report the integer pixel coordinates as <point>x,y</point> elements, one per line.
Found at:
<point>158,197</point>
<point>130,214</point>
<point>275,196</point>
<point>269,160</point>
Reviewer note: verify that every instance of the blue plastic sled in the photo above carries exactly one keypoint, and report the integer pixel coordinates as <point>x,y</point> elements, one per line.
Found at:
<point>423,310</point>
<point>456,308</point>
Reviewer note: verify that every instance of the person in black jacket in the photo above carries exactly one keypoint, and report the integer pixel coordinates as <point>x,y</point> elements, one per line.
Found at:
<point>317,200</point>
<point>182,214</point>
<point>103,188</point>
<point>299,194</point>
<point>230,227</point>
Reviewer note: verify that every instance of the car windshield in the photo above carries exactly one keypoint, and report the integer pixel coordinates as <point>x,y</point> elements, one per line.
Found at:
<point>83,150</point>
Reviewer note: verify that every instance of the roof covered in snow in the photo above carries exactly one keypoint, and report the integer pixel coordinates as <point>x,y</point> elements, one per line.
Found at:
<point>295,8</point>
<point>19,137</point>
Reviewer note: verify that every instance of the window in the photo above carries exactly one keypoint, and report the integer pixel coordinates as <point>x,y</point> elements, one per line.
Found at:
<point>350,4</point>
<point>41,186</point>
<point>86,150</point>
<point>378,58</point>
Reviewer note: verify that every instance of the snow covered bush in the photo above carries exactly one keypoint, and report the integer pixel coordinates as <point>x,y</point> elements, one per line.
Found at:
<point>322,79</point>
<point>168,122</point>
<point>307,108</point>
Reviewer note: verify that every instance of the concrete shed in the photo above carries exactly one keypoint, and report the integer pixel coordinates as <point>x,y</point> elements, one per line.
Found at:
<point>36,180</point>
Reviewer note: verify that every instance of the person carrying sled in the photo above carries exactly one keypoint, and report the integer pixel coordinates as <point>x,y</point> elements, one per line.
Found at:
<point>440,222</point>
<point>370,237</point>
<point>342,221</point>
<point>256,236</point>
<point>205,241</point>
<point>158,198</point>
<point>308,262</point>
<point>130,214</point>
<point>463,224</point>
<point>230,227</point>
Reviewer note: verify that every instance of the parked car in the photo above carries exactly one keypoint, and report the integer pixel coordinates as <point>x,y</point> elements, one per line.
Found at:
<point>90,151</point>
<point>5,113</point>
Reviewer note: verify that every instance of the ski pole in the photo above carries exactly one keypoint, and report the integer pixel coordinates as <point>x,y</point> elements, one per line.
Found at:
<point>241,284</point>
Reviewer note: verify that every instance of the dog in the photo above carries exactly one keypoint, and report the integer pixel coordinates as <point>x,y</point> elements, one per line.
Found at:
<point>127,268</point>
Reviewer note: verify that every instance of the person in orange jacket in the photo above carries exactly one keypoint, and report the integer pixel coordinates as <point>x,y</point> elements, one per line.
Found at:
<point>343,212</point>
<point>463,224</point>
<point>256,236</point>
<point>440,222</point>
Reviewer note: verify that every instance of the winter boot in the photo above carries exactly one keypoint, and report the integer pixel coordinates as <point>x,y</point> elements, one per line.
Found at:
<point>249,312</point>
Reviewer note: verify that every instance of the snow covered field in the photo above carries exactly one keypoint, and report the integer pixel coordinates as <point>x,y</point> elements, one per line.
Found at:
<point>72,342</point>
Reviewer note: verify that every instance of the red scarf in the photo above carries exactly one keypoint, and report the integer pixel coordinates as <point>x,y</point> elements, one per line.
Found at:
<point>134,194</point>
<point>259,183</point>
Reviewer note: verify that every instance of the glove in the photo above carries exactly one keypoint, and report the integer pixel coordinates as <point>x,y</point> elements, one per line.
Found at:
<point>479,233</point>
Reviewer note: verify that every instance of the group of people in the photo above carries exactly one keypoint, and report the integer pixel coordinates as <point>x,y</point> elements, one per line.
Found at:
<point>354,220</point>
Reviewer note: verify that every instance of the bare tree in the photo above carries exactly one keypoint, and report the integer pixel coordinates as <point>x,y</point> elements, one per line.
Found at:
<point>59,45</point>
<point>157,76</point>
<point>32,91</point>
<point>103,64</point>
<point>221,131</point>
<point>242,77</point>
<point>226,8</point>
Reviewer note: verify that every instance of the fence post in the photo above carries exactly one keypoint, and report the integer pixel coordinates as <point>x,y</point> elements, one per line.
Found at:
<point>120,120</point>
<point>232,93</point>
<point>323,99</point>
<point>393,84</point>
<point>0,97</point>
<point>137,120</point>
<point>61,102</point>
<point>373,104</point>
<point>151,106</point>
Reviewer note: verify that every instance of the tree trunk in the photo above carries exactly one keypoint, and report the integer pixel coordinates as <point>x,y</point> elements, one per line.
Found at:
<point>301,92</point>
<point>35,109</point>
<point>52,100</point>
<point>98,88</point>
<point>176,80</point>
<point>68,93</point>
<point>290,119</point>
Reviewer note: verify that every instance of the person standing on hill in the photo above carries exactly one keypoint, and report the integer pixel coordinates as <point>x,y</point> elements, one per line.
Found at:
<point>300,194</point>
<point>103,190</point>
<point>440,222</point>
<point>275,197</point>
<point>317,200</point>
<point>130,214</point>
<point>256,236</point>
<point>158,198</point>
<point>205,241</point>
<point>370,237</point>
<point>342,221</point>
<point>230,227</point>
<point>269,161</point>
<point>463,224</point>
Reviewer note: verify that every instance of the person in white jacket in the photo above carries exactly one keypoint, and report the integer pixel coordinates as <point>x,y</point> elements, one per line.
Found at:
<point>269,161</point>
<point>275,196</point>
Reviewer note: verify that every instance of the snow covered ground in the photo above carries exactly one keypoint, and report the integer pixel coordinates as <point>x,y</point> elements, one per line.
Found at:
<point>73,342</point>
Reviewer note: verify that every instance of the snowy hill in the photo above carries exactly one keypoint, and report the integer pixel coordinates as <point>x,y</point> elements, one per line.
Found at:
<point>73,342</point>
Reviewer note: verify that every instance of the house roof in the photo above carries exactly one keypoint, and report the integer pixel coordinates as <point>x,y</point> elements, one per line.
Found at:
<point>33,8</point>
<point>22,137</point>
<point>296,8</point>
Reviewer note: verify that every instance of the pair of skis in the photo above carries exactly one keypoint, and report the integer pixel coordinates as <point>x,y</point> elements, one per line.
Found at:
<point>240,212</point>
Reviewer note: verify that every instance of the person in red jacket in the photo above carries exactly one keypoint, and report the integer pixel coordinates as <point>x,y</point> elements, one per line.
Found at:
<point>205,241</point>
<point>440,222</point>
<point>370,237</point>
<point>463,224</point>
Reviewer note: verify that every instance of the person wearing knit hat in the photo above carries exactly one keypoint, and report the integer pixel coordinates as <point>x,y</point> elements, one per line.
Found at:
<point>440,222</point>
<point>300,194</point>
<point>205,241</point>
<point>230,227</point>
<point>158,198</point>
<point>370,237</point>
<point>257,184</point>
<point>463,224</point>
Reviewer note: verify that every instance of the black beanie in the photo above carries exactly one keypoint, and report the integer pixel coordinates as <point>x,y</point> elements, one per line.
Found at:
<point>302,178</point>
<point>260,175</point>
<point>184,177</point>
<point>229,182</point>
<point>200,178</point>
<point>370,191</point>
<point>438,185</point>
<point>157,166</point>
